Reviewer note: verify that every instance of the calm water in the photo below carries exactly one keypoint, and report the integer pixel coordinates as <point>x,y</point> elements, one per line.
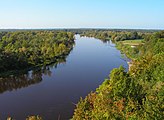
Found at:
<point>52,93</point>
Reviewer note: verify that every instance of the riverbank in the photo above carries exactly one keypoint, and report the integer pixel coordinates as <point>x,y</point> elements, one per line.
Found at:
<point>39,66</point>
<point>56,88</point>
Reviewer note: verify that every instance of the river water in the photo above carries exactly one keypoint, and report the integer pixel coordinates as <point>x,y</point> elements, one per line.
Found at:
<point>53,92</point>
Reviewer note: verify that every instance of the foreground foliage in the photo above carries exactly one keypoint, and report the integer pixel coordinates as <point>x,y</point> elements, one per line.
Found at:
<point>134,95</point>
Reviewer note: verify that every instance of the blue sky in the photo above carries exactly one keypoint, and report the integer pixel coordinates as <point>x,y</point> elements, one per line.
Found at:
<point>82,14</point>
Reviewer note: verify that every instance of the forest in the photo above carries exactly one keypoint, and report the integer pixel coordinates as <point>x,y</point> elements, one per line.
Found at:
<point>26,49</point>
<point>134,95</point>
<point>116,35</point>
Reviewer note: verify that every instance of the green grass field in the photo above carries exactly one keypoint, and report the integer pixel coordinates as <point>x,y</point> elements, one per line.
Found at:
<point>133,42</point>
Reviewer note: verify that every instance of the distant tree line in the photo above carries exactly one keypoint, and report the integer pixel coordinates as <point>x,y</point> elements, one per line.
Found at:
<point>116,36</point>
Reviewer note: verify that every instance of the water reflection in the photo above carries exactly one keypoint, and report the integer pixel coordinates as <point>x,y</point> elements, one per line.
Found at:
<point>21,80</point>
<point>60,85</point>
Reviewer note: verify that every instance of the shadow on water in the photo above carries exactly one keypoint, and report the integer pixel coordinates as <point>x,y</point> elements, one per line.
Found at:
<point>27,78</point>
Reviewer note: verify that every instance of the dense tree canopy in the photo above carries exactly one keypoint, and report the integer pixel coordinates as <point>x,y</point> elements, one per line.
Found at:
<point>24,49</point>
<point>116,35</point>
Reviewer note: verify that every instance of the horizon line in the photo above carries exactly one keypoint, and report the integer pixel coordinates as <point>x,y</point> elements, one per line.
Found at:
<point>114,28</point>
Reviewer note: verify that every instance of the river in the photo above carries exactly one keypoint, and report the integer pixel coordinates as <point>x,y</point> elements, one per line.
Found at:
<point>52,93</point>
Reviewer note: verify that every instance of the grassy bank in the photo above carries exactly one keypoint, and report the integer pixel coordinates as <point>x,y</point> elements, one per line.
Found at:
<point>135,42</point>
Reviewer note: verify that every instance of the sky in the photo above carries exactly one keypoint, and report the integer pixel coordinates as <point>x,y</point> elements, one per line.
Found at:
<point>125,14</point>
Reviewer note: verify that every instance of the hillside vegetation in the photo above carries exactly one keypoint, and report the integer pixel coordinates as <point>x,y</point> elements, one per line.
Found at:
<point>134,95</point>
